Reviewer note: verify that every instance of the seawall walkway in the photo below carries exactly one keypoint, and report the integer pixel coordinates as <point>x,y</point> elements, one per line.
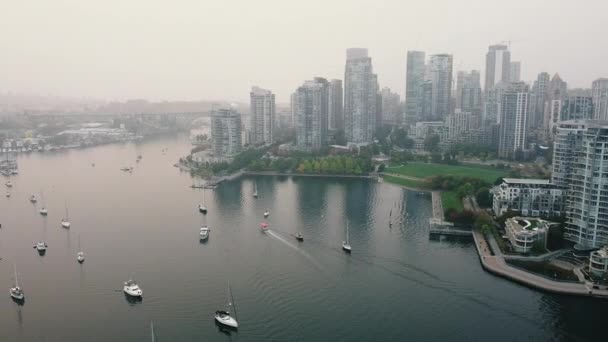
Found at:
<point>495,263</point>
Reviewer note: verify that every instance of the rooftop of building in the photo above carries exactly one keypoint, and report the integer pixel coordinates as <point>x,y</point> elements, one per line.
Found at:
<point>526,181</point>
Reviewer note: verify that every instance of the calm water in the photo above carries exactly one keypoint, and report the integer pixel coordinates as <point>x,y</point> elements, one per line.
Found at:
<point>397,285</point>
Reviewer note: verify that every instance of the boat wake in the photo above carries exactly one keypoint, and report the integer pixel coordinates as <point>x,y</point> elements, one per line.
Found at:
<point>299,250</point>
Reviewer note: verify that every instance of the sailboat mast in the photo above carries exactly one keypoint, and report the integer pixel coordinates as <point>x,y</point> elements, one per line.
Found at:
<point>66,210</point>
<point>16,280</point>
<point>152,331</point>
<point>231,299</point>
<point>347,234</point>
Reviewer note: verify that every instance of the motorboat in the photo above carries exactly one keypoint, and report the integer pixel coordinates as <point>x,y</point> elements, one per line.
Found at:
<point>266,213</point>
<point>8,194</point>
<point>16,291</point>
<point>33,199</point>
<point>223,316</point>
<point>204,234</point>
<point>202,208</point>
<point>65,223</point>
<point>255,189</point>
<point>299,236</point>
<point>9,184</point>
<point>132,289</point>
<point>264,226</point>
<point>41,246</point>
<point>43,211</point>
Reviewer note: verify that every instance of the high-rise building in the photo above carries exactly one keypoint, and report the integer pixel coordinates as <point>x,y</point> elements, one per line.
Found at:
<point>468,95</point>
<point>360,94</point>
<point>311,108</point>
<point>391,107</point>
<point>556,93</point>
<point>498,66</point>
<point>514,112</point>
<point>600,99</point>
<point>515,72</point>
<point>226,128</point>
<point>414,86</point>
<point>262,109</point>
<point>579,165</point>
<point>577,108</point>
<point>540,93</point>
<point>440,74</point>
<point>335,105</point>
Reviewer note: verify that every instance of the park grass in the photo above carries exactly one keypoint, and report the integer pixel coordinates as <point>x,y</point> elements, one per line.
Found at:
<point>449,199</point>
<point>425,170</point>
<point>404,182</point>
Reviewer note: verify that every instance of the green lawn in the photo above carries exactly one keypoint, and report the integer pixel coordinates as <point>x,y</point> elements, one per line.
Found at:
<point>424,170</point>
<point>404,182</point>
<point>449,199</point>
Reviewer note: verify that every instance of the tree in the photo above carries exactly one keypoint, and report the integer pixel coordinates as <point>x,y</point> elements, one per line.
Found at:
<point>431,142</point>
<point>381,168</point>
<point>483,197</point>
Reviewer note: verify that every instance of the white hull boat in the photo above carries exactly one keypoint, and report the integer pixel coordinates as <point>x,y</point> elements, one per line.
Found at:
<point>132,289</point>
<point>204,233</point>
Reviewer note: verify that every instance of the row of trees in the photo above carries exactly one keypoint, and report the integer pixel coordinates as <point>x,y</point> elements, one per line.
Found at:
<point>336,165</point>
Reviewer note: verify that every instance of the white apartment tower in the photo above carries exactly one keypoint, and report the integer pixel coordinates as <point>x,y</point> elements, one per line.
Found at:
<point>262,109</point>
<point>226,133</point>
<point>600,99</point>
<point>514,113</point>
<point>498,66</point>
<point>360,96</point>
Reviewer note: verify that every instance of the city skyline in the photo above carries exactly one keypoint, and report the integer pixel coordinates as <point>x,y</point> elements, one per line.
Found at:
<point>189,58</point>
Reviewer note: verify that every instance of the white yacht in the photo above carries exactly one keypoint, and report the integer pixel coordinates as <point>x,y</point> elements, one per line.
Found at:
<point>41,246</point>
<point>132,289</point>
<point>266,213</point>
<point>224,317</point>
<point>204,234</point>
<point>346,244</point>
<point>16,292</point>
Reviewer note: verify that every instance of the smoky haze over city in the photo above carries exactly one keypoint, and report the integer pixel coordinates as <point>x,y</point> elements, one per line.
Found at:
<point>335,170</point>
<point>216,50</point>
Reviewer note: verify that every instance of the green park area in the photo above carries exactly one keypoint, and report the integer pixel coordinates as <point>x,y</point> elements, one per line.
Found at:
<point>425,170</point>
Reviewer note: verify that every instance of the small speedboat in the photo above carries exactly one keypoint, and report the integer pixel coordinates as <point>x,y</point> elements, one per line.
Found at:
<point>80,257</point>
<point>132,289</point>
<point>204,234</point>
<point>299,237</point>
<point>223,317</point>
<point>264,226</point>
<point>202,208</point>
<point>266,213</point>
<point>65,223</point>
<point>33,199</point>
<point>43,211</point>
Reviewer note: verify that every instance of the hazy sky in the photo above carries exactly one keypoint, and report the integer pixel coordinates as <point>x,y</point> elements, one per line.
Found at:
<point>199,49</point>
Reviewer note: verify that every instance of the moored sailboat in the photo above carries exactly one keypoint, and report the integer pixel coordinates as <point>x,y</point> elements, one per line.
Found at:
<point>224,317</point>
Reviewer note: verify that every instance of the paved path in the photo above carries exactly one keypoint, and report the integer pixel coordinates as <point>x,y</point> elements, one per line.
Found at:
<point>437,205</point>
<point>496,264</point>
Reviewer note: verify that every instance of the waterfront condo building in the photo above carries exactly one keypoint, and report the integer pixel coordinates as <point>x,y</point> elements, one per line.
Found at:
<point>262,109</point>
<point>580,165</point>
<point>335,106</point>
<point>414,81</point>
<point>226,130</point>
<point>528,197</point>
<point>599,90</point>
<point>360,97</point>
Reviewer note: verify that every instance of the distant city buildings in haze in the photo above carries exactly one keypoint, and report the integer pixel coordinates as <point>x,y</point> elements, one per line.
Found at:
<point>440,75</point>
<point>335,105</point>
<point>498,66</point>
<point>360,97</point>
<point>226,131</point>
<point>514,111</point>
<point>311,111</point>
<point>468,94</point>
<point>262,108</point>
<point>391,107</point>
<point>515,72</point>
<point>414,86</point>
<point>556,93</point>
<point>540,93</point>
<point>599,91</point>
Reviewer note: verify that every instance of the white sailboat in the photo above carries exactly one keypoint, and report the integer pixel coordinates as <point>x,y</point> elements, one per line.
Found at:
<point>80,254</point>
<point>255,189</point>
<point>8,184</point>
<point>223,316</point>
<point>390,219</point>
<point>266,213</point>
<point>203,207</point>
<point>43,211</point>
<point>16,292</point>
<point>33,199</point>
<point>65,222</point>
<point>346,244</point>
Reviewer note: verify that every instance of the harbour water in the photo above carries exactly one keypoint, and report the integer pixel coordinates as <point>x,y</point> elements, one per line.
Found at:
<point>396,285</point>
